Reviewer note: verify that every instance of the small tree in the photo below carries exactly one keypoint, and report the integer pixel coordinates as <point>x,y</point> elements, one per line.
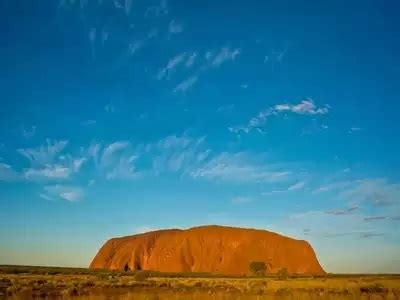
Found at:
<point>258,268</point>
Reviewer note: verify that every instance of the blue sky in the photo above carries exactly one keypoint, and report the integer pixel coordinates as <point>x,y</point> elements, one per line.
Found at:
<point>119,117</point>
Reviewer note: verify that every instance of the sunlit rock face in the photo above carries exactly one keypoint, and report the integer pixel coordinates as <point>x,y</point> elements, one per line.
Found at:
<point>215,249</point>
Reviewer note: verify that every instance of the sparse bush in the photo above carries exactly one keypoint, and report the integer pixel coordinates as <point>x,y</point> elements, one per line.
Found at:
<point>377,288</point>
<point>71,291</point>
<point>112,278</point>
<point>5,282</point>
<point>141,275</point>
<point>257,286</point>
<point>282,274</point>
<point>284,291</point>
<point>88,283</point>
<point>258,268</point>
<point>12,289</point>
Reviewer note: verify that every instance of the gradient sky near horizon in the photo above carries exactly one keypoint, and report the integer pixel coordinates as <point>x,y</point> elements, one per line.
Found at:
<point>123,116</point>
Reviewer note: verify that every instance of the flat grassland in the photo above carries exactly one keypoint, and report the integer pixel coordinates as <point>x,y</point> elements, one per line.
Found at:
<point>50,282</point>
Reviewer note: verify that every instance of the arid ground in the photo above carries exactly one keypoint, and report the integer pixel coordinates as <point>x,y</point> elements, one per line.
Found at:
<point>17,282</point>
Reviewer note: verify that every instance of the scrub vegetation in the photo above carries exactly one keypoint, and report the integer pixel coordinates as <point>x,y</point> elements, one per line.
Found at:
<point>47,281</point>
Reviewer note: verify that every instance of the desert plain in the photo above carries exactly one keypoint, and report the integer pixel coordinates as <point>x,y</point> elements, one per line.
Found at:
<point>26,282</point>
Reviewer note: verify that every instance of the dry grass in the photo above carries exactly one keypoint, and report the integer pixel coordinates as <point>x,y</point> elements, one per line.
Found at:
<point>49,282</point>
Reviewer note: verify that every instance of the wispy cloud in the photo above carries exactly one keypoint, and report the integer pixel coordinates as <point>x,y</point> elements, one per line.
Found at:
<point>124,169</point>
<point>29,133</point>
<point>109,108</point>
<point>377,192</point>
<point>63,192</point>
<point>175,27</point>
<point>241,200</point>
<point>118,4</point>
<point>332,187</point>
<point>92,35</point>
<point>45,154</point>
<point>305,215</point>
<point>83,3</point>
<point>226,108</point>
<point>334,224</point>
<point>178,154</point>
<point>225,54</point>
<point>172,64</point>
<point>134,46</point>
<point>297,186</point>
<point>273,192</point>
<point>7,173</point>
<point>279,55</point>
<point>48,172</point>
<point>93,152</point>
<point>186,84</point>
<point>354,130</point>
<point>338,223</point>
<point>305,107</point>
<point>88,123</point>
<point>77,163</point>
<point>369,235</point>
<point>191,59</point>
<point>117,160</point>
<point>152,33</point>
<point>276,56</point>
<point>62,169</point>
<point>239,167</point>
<point>342,212</point>
<point>61,3</point>
<point>109,153</point>
<point>157,10</point>
<point>208,55</point>
<point>128,6</point>
<point>377,218</point>
<point>104,36</point>
<point>360,234</point>
<point>49,162</point>
<point>188,59</point>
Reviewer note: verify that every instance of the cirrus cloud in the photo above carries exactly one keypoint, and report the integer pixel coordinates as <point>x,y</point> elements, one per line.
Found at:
<point>45,154</point>
<point>63,192</point>
<point>7,173</point>
<point>305,107</point>
<point>239,167</point>
<point>186,84</point>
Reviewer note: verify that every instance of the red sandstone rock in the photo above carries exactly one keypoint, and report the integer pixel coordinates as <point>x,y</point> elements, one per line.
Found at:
<point>214,249</point>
